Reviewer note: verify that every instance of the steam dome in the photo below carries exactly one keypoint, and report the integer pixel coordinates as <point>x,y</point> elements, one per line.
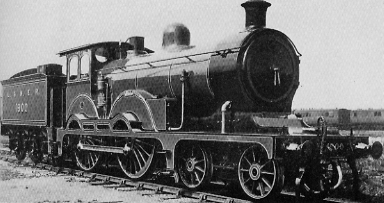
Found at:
<point>176,37</point>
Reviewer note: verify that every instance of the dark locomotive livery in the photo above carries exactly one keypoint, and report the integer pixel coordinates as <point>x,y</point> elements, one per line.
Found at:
<point>197,115</point>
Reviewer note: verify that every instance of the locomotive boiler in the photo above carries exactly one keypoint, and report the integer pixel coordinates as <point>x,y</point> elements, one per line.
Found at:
<point>199,115</point>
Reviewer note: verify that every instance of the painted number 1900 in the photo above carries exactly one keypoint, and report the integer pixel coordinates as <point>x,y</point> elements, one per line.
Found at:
<point>21,107</point>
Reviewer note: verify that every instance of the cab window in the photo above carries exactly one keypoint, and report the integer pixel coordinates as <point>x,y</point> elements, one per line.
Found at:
<point>84,66</point>
<point>73,67</point>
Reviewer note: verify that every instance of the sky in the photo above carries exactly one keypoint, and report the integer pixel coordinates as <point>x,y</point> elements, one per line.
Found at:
<point>341,42</point>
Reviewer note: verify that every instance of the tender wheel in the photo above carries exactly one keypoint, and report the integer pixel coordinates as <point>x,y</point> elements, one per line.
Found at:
<point>56,161</point>
<point>20,150</point>
<point>87,160</point>
<point>12,139</point>
<point>194,166</point>
<point>259,176</point>
<point>137,162</point>
<point>36,153</point>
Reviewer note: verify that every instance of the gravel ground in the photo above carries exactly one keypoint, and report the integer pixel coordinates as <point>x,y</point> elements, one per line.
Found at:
<point>26,184</point>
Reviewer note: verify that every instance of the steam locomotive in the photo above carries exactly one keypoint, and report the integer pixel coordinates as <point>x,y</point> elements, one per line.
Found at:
<point>197,115</point>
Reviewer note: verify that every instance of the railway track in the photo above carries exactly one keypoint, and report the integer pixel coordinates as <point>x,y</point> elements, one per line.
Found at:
<point>154,187</point>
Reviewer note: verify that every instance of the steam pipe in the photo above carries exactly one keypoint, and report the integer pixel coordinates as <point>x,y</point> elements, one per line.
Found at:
<point>322,130</point>
<point>183,79</point>
<point>224,108</point>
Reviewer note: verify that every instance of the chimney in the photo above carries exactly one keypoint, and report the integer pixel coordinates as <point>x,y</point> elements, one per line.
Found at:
<point>255,11</point>
<point>138,44</point>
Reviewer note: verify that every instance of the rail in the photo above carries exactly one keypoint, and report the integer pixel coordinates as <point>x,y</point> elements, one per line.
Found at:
<point>123,184</point>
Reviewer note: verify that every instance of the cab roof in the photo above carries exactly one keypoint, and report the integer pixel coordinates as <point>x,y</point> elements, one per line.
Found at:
<point>101,44</point>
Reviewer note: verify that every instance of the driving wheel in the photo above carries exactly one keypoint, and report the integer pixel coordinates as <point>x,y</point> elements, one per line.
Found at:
<point>137,160</point>
<point>87,160</point>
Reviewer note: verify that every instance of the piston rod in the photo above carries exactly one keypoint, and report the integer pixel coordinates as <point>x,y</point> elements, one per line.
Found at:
<point>100,148</point>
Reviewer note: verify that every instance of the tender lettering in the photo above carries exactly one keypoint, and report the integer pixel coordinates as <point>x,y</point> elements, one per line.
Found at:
<point>21,107</point>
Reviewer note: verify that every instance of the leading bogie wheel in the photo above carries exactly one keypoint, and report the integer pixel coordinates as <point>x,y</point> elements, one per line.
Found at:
<point>87,160</point>
<point>194,166</point>
<point>319,180</point>
<point>137,162</point>
<point>259,176</point>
